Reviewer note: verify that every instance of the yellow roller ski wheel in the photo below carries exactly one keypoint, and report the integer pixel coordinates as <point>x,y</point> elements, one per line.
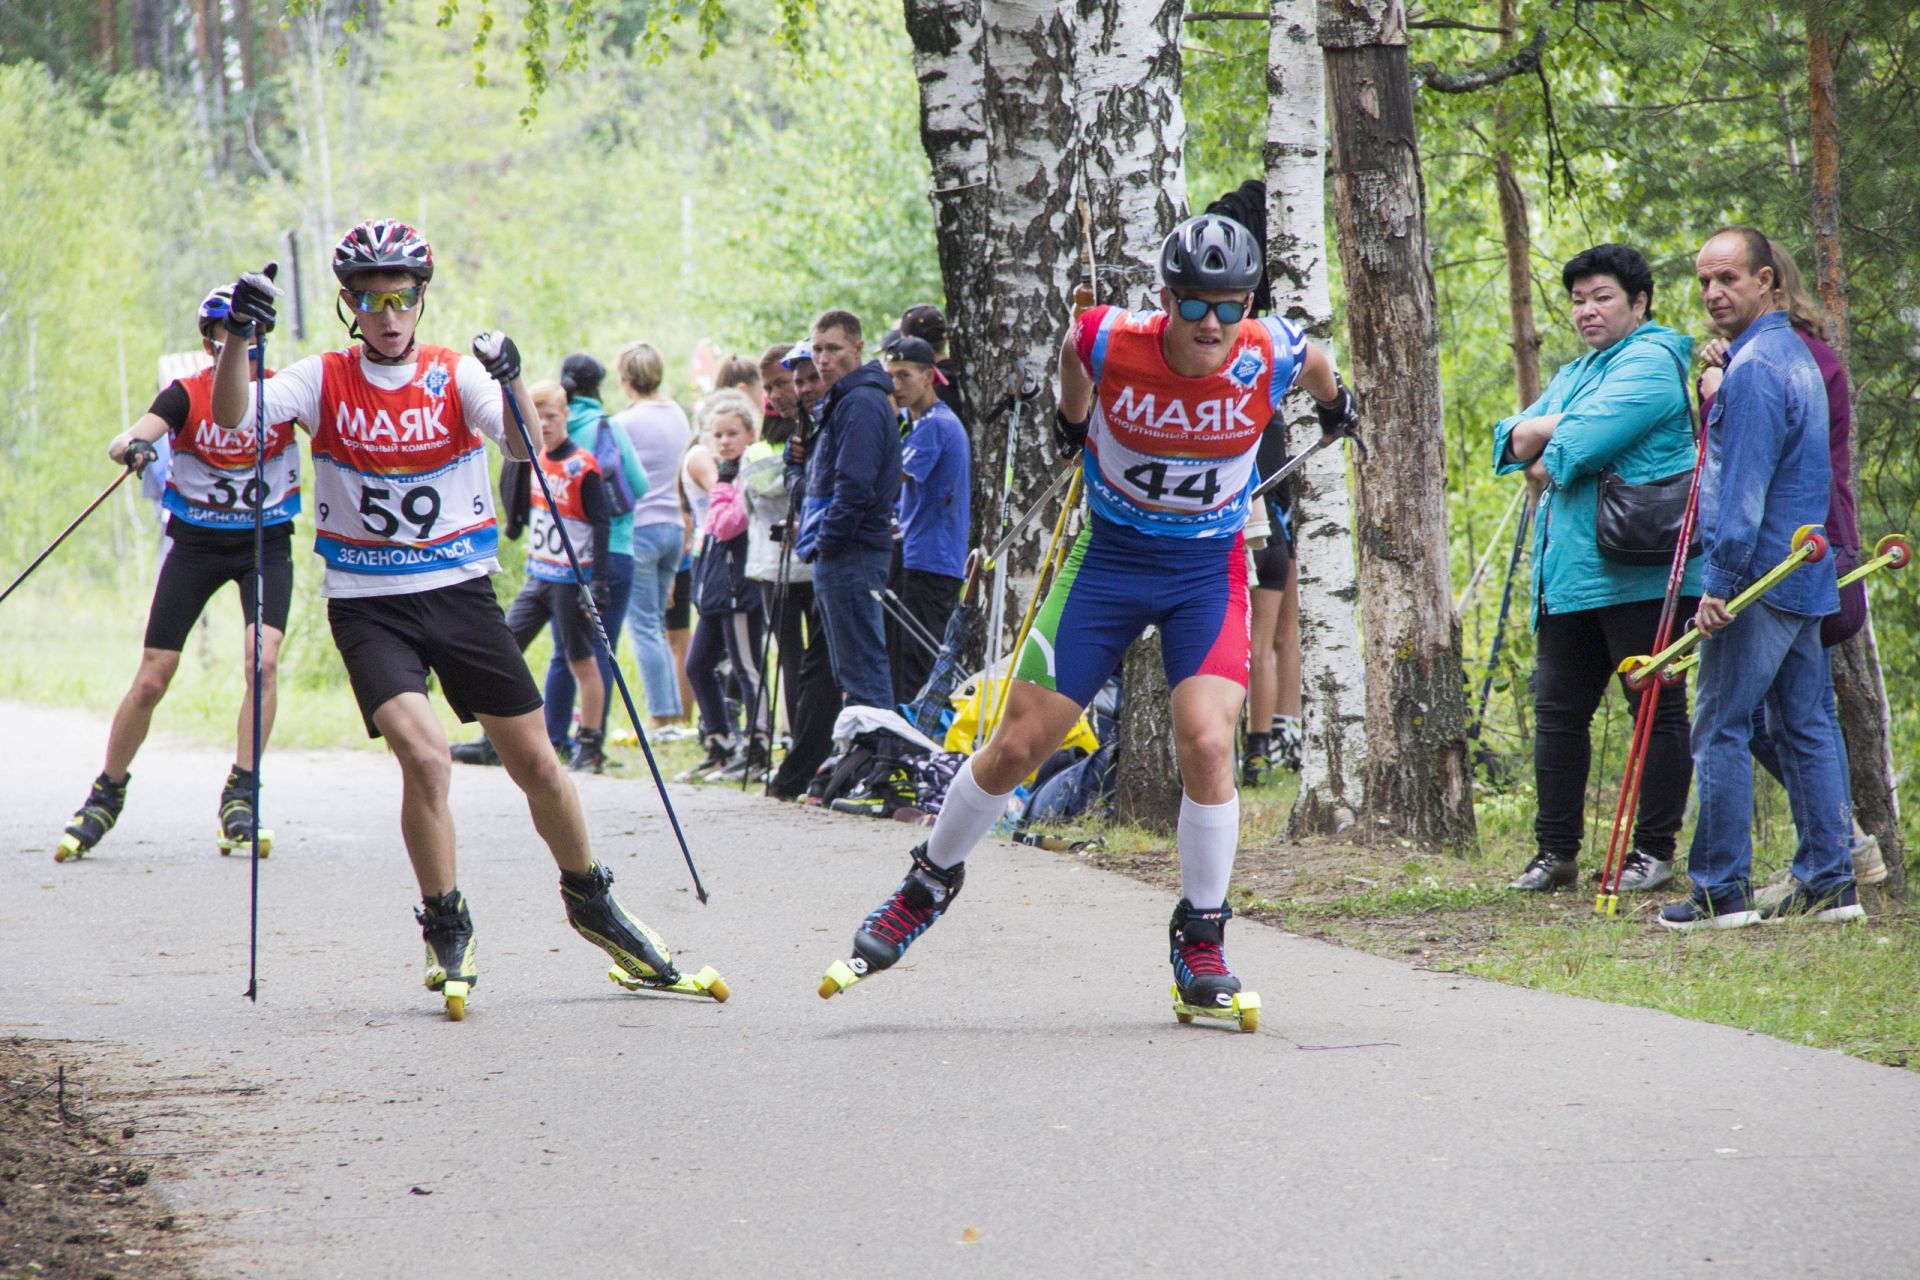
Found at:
<point>456,995</point>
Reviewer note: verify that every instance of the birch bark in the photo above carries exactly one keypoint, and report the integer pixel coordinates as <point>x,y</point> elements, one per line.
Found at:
<point>1333,762</point>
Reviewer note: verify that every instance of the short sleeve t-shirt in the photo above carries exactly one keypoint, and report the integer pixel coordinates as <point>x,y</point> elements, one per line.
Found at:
<point>1171,455</point>
<point>934,504</point>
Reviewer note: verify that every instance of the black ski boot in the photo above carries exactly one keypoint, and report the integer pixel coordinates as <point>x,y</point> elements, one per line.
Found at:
<point>236,815</point>
<point>1203,986</point>
<point>885,935</point>
<point>452,952</point>
<point>589,752</point>
<point>95,818</point>
<point>641,961</point>
<point>1257,762</point>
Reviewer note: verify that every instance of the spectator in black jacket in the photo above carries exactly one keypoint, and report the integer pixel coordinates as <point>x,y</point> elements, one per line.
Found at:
<point>853,483</point>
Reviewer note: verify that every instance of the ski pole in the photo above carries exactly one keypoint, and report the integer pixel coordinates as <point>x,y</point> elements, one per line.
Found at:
<point>769,685</point>
<point>77,522</point>
<point>1500,619</point>
<point>259,640</point>
<point>1486,557</point>
<point>600,637</point>
<point>1299,460</point>
<point>1809,547</point>
<point>1891,552</point>
<point>899,609</point>
<point>1026,517</point>
<point>908,627</point>
<point>999,695</point>
<point>1607,901</point>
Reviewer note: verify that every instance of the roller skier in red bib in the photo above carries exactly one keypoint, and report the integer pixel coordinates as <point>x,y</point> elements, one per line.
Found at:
<point>1165,410</point>
<point>404,522</point>
<point>210,495</point>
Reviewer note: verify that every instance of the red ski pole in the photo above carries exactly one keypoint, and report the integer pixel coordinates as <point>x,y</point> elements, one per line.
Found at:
<point>1607,903</point>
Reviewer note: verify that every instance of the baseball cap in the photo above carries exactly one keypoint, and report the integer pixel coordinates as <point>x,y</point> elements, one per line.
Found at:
<point>914,351</point>
<point>924,320</point>
<point>802,350</point>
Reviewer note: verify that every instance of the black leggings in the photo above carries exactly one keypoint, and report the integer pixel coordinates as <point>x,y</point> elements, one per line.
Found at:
<point>1576,653</point>
<point>735,635</point>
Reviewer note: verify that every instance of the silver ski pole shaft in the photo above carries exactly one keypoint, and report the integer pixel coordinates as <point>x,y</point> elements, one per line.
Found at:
<point>259,636</point>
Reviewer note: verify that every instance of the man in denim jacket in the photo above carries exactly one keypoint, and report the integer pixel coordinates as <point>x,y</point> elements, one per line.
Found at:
<point>1767,474</point>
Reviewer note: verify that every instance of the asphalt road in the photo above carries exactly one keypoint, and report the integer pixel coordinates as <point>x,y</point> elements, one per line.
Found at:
<point>1014,1099</point>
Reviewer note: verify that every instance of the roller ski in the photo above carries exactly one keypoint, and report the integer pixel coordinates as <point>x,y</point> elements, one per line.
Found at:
<point>236,816</point>
<point>95,818</point>
<point>641,961</point>
<point>1203,986</point>
<point>884,936</point>
<point>452,952</point>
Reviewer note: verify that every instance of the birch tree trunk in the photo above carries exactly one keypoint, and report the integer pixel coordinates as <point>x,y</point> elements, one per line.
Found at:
<point>948,61</point>
<point>1334,757</point>
<point>1133,139</point>
<point>1859,688</point>
<point>1419,784</point>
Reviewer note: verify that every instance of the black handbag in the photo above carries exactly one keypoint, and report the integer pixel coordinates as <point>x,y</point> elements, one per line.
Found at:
<point>1639,523</point>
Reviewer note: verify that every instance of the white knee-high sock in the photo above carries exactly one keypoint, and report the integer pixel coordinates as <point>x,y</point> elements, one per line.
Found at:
<point>1209,835</point>
<point>966,815</point>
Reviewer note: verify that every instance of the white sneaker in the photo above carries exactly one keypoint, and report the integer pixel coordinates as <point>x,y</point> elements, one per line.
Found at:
<point>1868,866</point>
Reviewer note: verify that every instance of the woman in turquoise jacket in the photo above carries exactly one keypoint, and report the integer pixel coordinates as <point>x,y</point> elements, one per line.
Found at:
<point>1622,406</point>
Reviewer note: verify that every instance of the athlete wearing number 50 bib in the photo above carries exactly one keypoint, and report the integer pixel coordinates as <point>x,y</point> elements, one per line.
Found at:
<point>1169,406</point>
<point>404,521</point>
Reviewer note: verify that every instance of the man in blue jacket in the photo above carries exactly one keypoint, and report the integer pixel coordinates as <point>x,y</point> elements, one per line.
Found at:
<point>853,483</point>
<point>1767,474</point>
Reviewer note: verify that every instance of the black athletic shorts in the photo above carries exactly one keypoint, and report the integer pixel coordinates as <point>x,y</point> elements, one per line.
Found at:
<point>389,643</point>
<point>680,612</point>
<point>1273,563</point>
<point>540,601</point>
<point>196,562</point>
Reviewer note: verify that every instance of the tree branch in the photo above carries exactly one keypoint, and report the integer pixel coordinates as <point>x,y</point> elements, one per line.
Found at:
<point>1522,61</point>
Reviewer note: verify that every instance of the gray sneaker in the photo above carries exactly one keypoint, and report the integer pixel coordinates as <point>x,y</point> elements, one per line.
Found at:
<point>1546,873</point>
<point>1868,866</point>
<point>1642,872</point>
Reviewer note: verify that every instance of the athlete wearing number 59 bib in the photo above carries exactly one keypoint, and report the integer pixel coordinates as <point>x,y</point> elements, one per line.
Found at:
<point>404,520</point>
<point>1169,406</point>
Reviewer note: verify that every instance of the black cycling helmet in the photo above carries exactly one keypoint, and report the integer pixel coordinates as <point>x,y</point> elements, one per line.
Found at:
<point>382,244</point>
<point>214,307</point>
<point>1211,252</point>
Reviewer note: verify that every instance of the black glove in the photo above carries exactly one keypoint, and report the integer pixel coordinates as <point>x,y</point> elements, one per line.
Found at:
<point>602,593</point>
<point>1069,437</point>
<point>139,453</point>
<point>1340,415</point>
<point>496,351</point>
<point>729,469</point>
<point>252,305</point>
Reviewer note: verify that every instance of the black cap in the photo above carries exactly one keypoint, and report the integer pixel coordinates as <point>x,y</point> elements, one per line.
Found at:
<point>924,320</point>
<point>916,350</point>
<point>581,375</point>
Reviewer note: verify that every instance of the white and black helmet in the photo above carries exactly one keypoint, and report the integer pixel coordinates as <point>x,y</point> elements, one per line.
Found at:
<point>382,244</point>
<point>1211,252</point>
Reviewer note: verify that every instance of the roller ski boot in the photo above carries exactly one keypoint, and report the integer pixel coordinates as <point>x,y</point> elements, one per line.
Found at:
<point>589,752</point>
<point>884,936</point>
<point>95,819</point>
<point>236,816</point>
<point>1258,760</point>
<point>641,961</point>
<point>452,952</point>
<point>1203,986</point>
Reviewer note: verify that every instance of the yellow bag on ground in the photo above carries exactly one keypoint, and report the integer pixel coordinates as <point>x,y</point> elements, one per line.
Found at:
<point>966,715</point>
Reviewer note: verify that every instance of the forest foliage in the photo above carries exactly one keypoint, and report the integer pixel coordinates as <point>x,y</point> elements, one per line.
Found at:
<point>719,173</point>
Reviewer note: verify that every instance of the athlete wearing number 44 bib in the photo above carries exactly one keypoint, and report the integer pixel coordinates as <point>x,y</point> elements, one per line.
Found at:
<point>1169,407</point>
<point>210,497</point>
<point>404,521</point>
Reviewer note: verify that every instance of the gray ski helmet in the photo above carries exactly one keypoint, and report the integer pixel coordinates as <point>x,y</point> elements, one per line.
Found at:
<point>1210,252</point>
<point>382,244</point>
<point>216,306</point>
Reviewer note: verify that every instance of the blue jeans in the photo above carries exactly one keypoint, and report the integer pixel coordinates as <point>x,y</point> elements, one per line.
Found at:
<point>560,687</point>
<point>843,584</point>
<point>656,558</point>
<point>1772,662</point>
